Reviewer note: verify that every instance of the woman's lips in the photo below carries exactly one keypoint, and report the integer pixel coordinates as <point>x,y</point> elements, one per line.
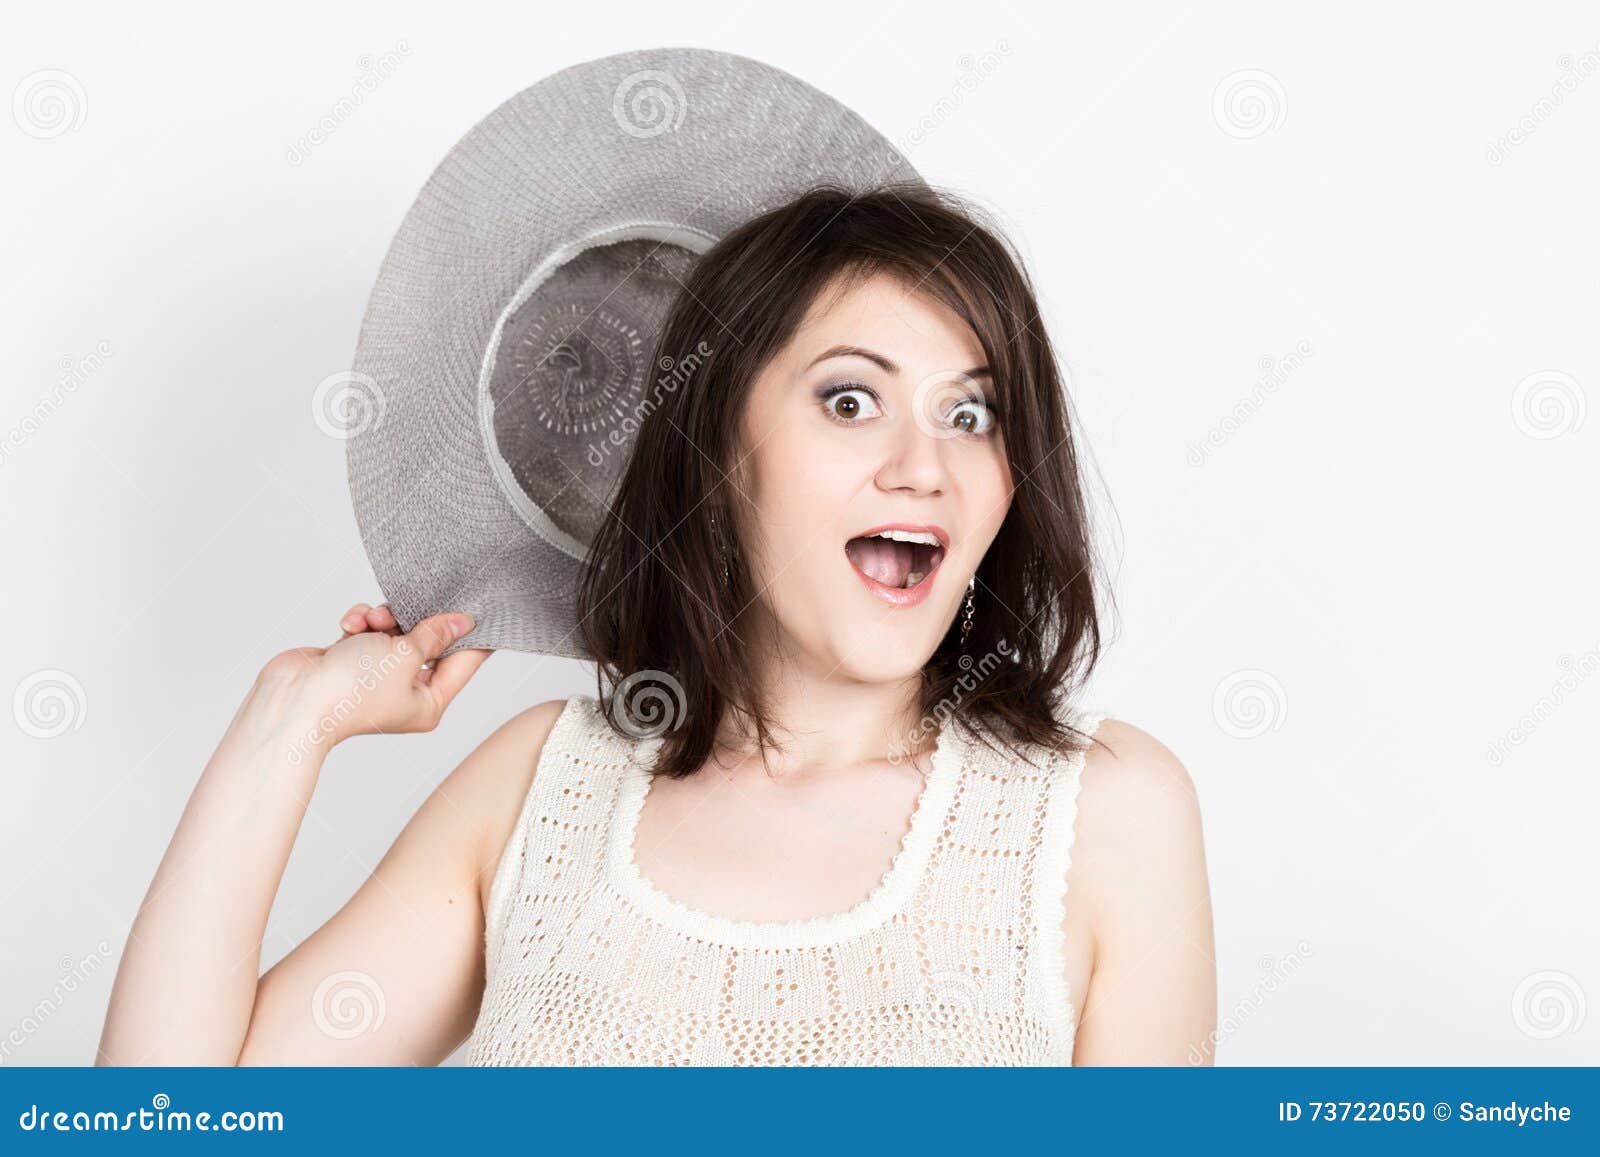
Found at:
<point>898,596</point>
<point>932,557</point>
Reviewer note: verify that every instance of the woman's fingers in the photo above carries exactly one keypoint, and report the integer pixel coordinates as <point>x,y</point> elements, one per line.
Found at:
<point>451,673</point>
<point>438,684</point>
<point>354,621</point>
<point>404,684</point>
<point>436,632</point>
<point>365,617</point>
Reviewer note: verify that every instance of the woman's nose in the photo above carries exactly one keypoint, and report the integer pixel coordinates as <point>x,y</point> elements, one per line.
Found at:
<point>915,460</point>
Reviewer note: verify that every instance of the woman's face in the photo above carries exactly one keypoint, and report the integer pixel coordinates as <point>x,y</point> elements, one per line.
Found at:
<point>877,417</point>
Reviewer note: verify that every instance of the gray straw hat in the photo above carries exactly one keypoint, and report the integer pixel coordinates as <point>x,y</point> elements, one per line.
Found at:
<point>507,347</point>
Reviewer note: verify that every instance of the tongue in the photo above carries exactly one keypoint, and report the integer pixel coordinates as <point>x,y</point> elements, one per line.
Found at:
<point>883,559</point>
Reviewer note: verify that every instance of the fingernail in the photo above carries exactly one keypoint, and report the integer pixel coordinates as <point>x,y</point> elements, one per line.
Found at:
<point>460,624</point>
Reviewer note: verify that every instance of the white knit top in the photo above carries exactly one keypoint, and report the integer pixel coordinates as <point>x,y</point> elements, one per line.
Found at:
<point>956,957</point>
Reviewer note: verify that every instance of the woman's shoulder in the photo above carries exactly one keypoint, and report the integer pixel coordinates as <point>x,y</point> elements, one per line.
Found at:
<point>1130,764</point>
<point>1139,900</point>
<point>1138,814</point>
<point>1134,786</point>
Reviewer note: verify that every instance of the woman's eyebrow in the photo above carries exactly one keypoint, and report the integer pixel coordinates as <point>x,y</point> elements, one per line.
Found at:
<point>886,364</point>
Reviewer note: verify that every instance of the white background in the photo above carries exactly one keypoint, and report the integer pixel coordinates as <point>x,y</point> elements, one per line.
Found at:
<point>1396,545</point>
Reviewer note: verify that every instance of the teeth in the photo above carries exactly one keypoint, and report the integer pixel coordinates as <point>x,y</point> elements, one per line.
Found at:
<point>907,536</point>
<point>915,577</point>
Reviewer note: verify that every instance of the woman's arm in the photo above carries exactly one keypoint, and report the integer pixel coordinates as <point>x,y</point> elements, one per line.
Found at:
<point>1139,868</point>
<point>396,975</point>
<point>187,988</point>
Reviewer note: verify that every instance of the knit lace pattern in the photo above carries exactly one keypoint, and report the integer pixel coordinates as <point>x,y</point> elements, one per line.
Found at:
<point>956,957</point>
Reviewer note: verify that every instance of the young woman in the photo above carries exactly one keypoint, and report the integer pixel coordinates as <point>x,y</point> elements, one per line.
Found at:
<point>834,802</point>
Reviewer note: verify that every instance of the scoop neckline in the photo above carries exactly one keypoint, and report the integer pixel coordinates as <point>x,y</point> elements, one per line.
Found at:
<point>887,896</point>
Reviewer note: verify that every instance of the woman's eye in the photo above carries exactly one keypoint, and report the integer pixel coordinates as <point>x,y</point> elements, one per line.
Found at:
<point>971,417</point>
<point>850,405</point>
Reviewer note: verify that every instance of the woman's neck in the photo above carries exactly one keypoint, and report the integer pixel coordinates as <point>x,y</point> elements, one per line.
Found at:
<point>822,721</point>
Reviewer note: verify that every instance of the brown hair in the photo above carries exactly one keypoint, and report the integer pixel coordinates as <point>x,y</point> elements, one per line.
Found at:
<point>653,603</point>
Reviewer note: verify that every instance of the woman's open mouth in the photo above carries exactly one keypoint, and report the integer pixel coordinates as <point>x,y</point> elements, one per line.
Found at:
<point>896,563</point>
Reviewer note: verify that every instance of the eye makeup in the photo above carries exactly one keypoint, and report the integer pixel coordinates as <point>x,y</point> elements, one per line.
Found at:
<point>826,393</point>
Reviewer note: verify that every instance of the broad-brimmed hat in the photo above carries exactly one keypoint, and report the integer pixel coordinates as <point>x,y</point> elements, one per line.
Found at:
<point>508,347</point>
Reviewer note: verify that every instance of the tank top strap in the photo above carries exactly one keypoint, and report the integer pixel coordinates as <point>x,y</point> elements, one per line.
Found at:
<point>1057,838</point>
<point>566,814</point>
<point>998,887</point>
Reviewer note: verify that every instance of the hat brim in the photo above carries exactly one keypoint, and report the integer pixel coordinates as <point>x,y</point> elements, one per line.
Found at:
<point>677,142</point>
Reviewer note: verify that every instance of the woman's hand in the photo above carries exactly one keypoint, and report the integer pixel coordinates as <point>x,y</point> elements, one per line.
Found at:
<point>374,678</point>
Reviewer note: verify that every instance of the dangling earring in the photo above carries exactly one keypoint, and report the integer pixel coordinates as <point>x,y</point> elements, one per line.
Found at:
<point>966,623</point>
